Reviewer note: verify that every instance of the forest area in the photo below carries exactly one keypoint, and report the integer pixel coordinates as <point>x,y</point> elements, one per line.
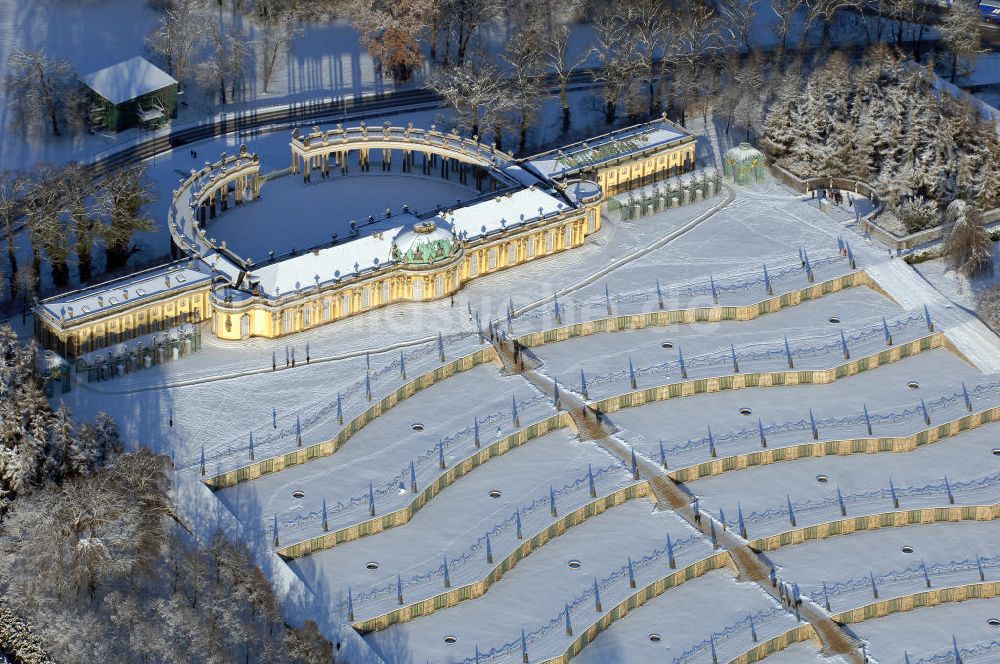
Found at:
<point>94,558</point>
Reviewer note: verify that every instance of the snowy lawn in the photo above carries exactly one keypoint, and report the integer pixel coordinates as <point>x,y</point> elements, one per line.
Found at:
<point>535,593</point>
<point>381,453</point>
<point>918,480</point>
<point>814,342</point>
<point>684,621</point>
<point>948,550</point>
<point>456,529</point>
<point>838,410</point>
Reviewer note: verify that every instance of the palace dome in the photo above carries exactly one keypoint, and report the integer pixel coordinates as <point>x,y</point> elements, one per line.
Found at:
<point>423,243</point>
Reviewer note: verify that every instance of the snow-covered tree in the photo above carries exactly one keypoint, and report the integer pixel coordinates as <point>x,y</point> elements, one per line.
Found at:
<point>14,187</point>
<point>619,61</point>
<point>41,88</point>
<point>121,199</point>
<point>526,89</point>
<point>555,48</point>
<point>182,31</point>
<point>470,89</point>
<point>279,26</point>
<point>960,32</point>
<point>391,30</point>
<point>966,243</point>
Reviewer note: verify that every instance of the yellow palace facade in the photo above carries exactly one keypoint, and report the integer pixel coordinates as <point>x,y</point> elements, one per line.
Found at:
<point>526,210</point>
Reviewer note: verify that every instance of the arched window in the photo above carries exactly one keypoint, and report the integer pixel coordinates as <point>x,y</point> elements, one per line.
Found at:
<point>591,220</point>
<point>493,258</point>
<point>326,310</point>
<point>286,321</point>
<point>418,290</point>
<point>386,292</point>
<point>474,264</point>
<point>307,315</point>
<point>244,326</point>
<point>550,241</point>
<point>345,307</point>
<point>531,246</point>
<point>366,297</point>
<point>512,253</point>
<point>439,286</point>
<point>215,322</point>
<point>568,236</point>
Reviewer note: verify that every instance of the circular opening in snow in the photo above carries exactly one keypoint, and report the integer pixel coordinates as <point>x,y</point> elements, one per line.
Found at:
<point>822,479</point>
<point>913,385</point>
<point>450,639</point>
<point>417,426</point>
<point>667,344</point>
<point>655,638</point>
<point>298,494</point>
<point>835,319</point>
<point>993,622</point>
<point>575,564</point>
<point>907,549</point>
<point>745,411</point>
<point>372,566</point>
<point>495,493</point>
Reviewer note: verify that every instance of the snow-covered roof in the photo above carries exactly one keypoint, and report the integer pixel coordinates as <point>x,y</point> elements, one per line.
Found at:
<point>504,210</point>
<point>127,80</point>
<point>109,295</point>
<point>606,148</point>
<point>336,262</point>
<point>744,152</point>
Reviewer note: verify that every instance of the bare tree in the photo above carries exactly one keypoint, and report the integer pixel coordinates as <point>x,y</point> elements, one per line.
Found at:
<point>13,189</point>
<point>279,28</point>
<point>181,32</point>
<point>967,244</point>
<point>469,88</point>
<point>785,12</point>
<point>228,62</point>
<point>738,17</point>
<point>619,62</point>
<point>647,21</point>
<point>465,18</point>
<point>555,51</point>
<point>78,191</point>
<point>960,32</point>
<point>121,199</point>
<point>40,87</point>
<point>526,89</point>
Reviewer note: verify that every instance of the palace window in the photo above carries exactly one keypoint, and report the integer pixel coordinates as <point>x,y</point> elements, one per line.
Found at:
<point>591,220</point>
<point>245,326</point>
<point>550,241</point>
<point>474,264</point>
<point>418,290</point>
<point>568,236</point>
<point>493,258</point>
<point>326,310</point>
<point>386,292</point>
<point>512,253</point>
<point>366,297</point>
<point>345,307</point>
<point>439,286</point>
<point>286,321</point>
<point>307,315</point>
<point>531,246</point>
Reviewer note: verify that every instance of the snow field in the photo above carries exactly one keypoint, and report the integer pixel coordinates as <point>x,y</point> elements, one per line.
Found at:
<point>894,409</point>
<point>973,475</point>
<point>416,551</point>
<point>684,620</point>
<point>814,342</point>
<point>944,548</point>
<point>535,592</point>
<point>381,452</point>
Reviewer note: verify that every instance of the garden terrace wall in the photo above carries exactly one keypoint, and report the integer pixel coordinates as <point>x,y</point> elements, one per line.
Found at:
<point>479,588</point>
<point>894,519</point>
<point>933,597</point>
<point>444,480</point>
<point>699,314</point>
<point>803,632</point>
<point>328,447</point>
<point>768,379</point>
<point>643,595</point>
<point>841,447</point>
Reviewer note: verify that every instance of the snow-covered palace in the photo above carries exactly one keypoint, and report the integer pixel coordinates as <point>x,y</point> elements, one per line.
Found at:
<point>515,211</point>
